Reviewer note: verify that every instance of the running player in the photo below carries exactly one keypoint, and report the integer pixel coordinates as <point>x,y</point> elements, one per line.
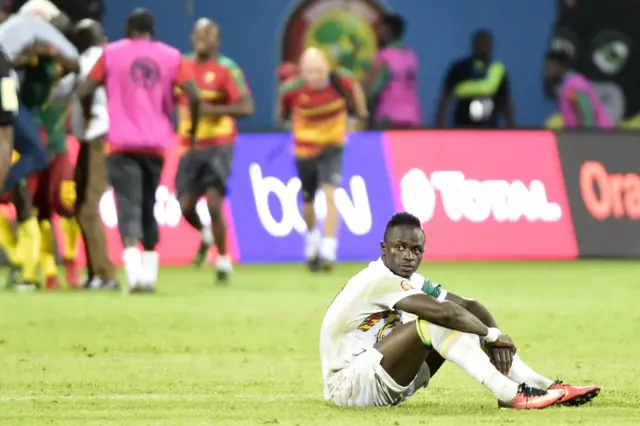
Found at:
<point>318,104</point>
<point>205,168</point>
<point>390,329</point>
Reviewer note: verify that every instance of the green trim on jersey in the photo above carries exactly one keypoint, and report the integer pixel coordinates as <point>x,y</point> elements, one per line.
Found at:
<point>292,85</point>
<point>236,73</point>
<point>433,290</point>
<point>588,113</point>
<point>343,72</point>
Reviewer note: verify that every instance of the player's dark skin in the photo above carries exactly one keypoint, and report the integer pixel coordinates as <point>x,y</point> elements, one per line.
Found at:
<point>88,33</point>
<point>403,351</point>
<point>205,41</point>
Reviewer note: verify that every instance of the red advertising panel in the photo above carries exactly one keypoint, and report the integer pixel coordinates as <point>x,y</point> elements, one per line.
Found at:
<point>484,194</point>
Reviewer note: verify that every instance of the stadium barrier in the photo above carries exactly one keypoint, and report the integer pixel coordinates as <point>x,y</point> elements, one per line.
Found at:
<point>480,195</point>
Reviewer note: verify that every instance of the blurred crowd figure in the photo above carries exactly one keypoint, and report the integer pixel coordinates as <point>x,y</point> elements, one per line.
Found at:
<point>476,89</point>
<point>478,86</point>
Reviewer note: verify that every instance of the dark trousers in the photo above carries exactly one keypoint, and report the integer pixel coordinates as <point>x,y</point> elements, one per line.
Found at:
<point>27,141</point>
<point>91,183</point>
<point>134,179</point>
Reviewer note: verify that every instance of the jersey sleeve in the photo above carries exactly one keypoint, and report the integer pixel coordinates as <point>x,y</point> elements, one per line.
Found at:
<point>184,72</point>
<point>236,84</point>
<point>285,99</point>
<point>99,70</point>
<point>434,290</point>
<point>347,79</point>
<point>393,289</point>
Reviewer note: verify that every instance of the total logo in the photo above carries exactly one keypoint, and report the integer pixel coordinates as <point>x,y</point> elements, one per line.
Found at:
<point>354,209</point>
<point>475,200</point>
<point>166,209</point>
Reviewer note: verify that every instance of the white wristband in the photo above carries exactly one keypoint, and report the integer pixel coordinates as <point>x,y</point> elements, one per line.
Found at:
<point>492,335</point>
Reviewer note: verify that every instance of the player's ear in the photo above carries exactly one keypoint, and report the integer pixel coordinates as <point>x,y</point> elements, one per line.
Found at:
<point>383,246</point>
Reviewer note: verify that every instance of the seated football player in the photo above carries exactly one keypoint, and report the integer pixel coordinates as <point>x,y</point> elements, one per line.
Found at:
<point>390,329</point>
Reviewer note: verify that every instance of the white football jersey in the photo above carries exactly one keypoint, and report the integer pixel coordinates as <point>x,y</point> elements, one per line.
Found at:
<point>363,312</point>
<point>64,93</point>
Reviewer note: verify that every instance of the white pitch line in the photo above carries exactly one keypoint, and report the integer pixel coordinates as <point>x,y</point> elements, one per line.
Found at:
<point>161,397</point>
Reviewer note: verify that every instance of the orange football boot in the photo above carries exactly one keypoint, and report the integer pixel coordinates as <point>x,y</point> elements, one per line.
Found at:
<point>575,395</point>
<point>529,398</point>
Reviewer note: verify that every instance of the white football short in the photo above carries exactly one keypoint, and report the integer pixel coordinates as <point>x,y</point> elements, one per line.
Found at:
<point>364,383</point>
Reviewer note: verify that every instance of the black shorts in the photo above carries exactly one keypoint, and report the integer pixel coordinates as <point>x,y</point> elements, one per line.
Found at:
<point>204,168</point>
<point>323,169</point>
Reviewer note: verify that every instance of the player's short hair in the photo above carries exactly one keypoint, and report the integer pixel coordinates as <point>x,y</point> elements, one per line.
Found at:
<point>560,57</point>
<point>482,33</point>
<point>402,219</point>
<point>141,21</point>
<point>396,23</point>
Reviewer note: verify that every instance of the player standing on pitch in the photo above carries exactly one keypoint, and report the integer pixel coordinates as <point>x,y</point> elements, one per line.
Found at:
<point>90,175</point>
<point>205,167</point>
<point>139,75</point>
<point>390,329</point>
<point>318,104</point>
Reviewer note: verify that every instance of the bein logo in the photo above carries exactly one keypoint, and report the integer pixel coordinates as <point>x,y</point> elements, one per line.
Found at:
<point>474,200</point>
<point>354,211</point>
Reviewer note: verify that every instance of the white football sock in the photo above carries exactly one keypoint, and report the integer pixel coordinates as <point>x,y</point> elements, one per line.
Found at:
<point>329,249</point>
<point>224,264</point>
<point>96,282</point>
<point>207,235</point>
<point>312,243</point>
<point>464,350</point>
<point>522,373</point>
<point>150,264</point>
<point>132,259</point>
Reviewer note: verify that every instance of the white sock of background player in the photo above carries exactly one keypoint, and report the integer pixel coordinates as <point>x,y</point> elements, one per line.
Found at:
<point>522,373</point>
<point>464,350</point>
<point>150,265</point>
<point>132,260</point>
<point>329,249</point>
<point>207,235</point>
<point>312,243</point>
<point>223,263</point>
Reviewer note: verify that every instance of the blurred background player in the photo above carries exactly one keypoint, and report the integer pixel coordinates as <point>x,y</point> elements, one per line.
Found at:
<point>578,102</point>
<point>23,36</point>
<point>318,104</point>
<point>139,74</point>
<point>8,112</point>
<point>91,170</point>
<point>55,192</point>
<point>205,168</point>
<point>36,36</point>
<point>480,87</point>
<point>391,86</point>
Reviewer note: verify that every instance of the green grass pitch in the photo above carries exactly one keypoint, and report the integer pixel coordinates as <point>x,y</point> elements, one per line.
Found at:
<point>196,354</point>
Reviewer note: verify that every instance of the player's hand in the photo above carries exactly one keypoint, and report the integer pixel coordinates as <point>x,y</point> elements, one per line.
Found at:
<point>501,358</point>
<point>501,353</point>
<point>504,341</point>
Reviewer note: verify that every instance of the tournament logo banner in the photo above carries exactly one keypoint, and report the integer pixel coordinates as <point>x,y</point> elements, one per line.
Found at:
<point>345,30</point>
<point>267,205</point>
<point>602,175</point>
<point>484,194</point>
